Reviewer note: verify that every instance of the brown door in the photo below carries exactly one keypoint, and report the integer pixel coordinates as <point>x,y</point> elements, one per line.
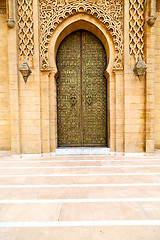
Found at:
<point>81,91</point>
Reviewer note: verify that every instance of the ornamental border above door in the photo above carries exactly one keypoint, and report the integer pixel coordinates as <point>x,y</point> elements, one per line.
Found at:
<point>52,13</point>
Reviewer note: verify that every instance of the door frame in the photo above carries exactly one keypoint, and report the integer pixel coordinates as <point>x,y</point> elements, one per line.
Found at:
<point>83,135</point>
<point>93,25</point>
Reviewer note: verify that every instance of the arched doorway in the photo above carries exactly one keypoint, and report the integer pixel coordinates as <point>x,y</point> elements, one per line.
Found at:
<point>81,91</point>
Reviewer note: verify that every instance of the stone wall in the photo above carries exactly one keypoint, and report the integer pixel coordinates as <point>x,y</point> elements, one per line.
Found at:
<point>134,112</point>
<point>157,83</point>
<point>5,132</point>
<point>28,118</point>
<point>29,108</point>
<point>134,89</point>
<point>30,93</point>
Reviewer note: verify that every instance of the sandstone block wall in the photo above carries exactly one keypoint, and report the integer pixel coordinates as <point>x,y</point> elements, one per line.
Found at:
<point>134,112</point>
<point>5,132</point>
<point>29,108</point>
<point>28,118</point>
<point>157,83</point>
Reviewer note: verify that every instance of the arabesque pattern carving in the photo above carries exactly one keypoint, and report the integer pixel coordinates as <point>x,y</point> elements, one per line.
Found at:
<point>52,12</point>
<point>136,28</point>
<point>158,6</point>
<point>25,24</point>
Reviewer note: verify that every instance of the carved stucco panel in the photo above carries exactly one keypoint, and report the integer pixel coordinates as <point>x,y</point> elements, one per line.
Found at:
<point>52,12</point>
<point>25,29</point>
<point>136,28</point>
<point>158,6</point>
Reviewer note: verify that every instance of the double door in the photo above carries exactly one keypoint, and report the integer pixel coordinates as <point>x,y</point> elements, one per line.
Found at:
<point>81,91</point>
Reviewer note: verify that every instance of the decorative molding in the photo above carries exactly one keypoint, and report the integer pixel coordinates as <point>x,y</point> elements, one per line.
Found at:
<point>136,28</point>
<point>25,33</point>
<point>2,10</point>
<point>53,12</point>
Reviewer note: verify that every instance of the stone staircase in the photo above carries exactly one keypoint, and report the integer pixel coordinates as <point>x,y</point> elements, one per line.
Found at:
<point>80,198</point>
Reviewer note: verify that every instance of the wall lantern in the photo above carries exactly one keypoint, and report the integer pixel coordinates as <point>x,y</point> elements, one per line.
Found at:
<point>25,70</point>
<point>140,68</point>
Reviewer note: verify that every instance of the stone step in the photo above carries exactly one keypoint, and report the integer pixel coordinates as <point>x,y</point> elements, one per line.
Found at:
<point>48,157</point>
<point>78,170</point>
<point>82,150</point>
<point>78,163</point>
<point>111,230</point>
<point>78,179</point>
<point>79,211</point>
<point>79,192</point>
<point>89,198</point>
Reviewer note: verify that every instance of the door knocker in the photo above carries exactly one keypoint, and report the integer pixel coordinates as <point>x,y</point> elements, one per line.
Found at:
<point>73,100</point>
<point>89,99</point>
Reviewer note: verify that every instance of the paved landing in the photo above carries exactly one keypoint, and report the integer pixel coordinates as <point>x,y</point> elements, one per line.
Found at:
<point>80,198</point>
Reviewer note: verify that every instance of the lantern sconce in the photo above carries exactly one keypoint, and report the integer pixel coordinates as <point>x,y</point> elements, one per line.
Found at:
<point>25,70</point>
<point>140,68</point>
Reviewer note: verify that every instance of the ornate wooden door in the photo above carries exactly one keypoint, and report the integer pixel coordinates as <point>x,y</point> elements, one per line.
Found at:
<point>81,91</point>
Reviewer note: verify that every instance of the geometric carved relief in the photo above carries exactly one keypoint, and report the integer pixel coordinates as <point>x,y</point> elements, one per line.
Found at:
<point>25,32</point>
<point>136,28</point>
<point>158,6</point>
<point>53,12</point>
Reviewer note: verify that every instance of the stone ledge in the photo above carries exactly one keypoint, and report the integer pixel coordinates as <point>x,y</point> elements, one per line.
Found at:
<point>82,151</point>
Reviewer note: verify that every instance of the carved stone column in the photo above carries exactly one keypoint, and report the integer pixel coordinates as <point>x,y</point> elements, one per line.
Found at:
<point>150,87</point>
<point>152,12</point>
<point>111,106</point>
<point>126,66</point>
<point>53,109</point>
<point>45,112</point>
<point>48,111</point>
<point>14,89</point>
<point>10,20</point>
<point>119,84</point>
